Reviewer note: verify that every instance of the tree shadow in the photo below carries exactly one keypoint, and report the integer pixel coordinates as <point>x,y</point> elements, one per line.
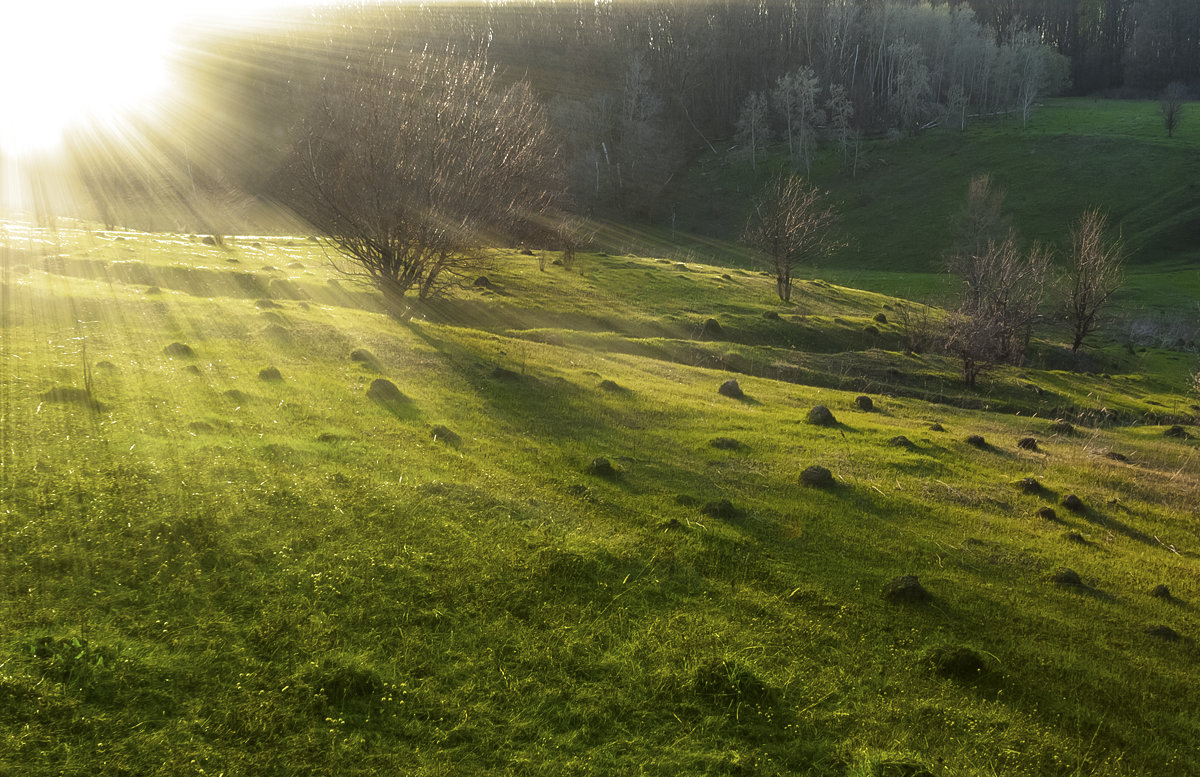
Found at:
<point>1112,524</point>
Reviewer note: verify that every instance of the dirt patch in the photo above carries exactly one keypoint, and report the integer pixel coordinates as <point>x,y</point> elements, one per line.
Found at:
<point>1029,485</point>
<point>957,662</point>
<point>720,508</point>
<point>1065,576</point>
<point>383,390</point>
<point>1048,514</point>
<point>1163,632</point>
<point>1160,591</point>
<point>443,434</point>
<point>602,468</point>
<point>1073,503</point>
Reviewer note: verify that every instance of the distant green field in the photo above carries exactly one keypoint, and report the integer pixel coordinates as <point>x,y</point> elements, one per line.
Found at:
<point>225,550</point>
<point>898,209</point>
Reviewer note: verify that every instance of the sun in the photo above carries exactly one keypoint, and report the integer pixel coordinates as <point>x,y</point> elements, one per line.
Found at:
<point>61,63</point>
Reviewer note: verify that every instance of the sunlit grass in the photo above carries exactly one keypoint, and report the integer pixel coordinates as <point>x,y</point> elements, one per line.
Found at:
<point>218,571</point>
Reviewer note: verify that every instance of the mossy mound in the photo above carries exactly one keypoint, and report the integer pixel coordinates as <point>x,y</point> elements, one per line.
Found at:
<point>905,589</point>
<point>821,416</point>
<point>383,390</point>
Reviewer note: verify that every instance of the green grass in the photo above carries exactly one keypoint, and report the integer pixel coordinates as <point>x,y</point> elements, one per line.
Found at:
<point>214,573</point>
<point>898,209</point>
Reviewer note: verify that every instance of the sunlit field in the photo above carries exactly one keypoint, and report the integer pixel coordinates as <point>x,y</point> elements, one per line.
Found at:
<point>229,549</point>
<point>561,485</point>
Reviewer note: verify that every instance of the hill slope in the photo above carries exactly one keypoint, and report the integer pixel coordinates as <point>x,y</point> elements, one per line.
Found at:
<point>899,206</point>
<point>228,549</point>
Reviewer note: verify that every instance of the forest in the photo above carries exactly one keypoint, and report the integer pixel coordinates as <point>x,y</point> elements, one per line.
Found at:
<point>635,92</point>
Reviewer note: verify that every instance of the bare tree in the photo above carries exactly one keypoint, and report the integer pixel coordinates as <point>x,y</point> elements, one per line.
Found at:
<point>570,234</point>
<point>909,90</point>
<point>1001,286</point>
<point>1171,105</point>
<point>795,96</point>
<point>981,222</point>
<point>1093,276</point>
<point>791,224</point>
<point>408,165</point>
<point>646,154</point>
<point>840,109</point>
<point>999,304</point>
<point>753,125</point>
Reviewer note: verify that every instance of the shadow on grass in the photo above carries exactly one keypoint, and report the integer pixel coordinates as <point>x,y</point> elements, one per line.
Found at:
<point>1112,524</point>
<point>541,407</point>
<point>384,394</point>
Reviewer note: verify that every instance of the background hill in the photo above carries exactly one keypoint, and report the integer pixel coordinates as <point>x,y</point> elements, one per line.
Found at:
<point>227,548</point>
<point>899,206</point>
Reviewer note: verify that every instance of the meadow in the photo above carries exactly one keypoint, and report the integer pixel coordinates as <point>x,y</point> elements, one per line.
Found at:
<point>250,523</point>
<point>899,201</point>
<point>215,567</point>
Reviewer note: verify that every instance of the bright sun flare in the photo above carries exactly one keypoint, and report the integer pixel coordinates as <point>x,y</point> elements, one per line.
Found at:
<point>63,62</point>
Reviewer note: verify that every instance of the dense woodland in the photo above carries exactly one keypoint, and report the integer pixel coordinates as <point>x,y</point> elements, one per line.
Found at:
<point>634,91</point>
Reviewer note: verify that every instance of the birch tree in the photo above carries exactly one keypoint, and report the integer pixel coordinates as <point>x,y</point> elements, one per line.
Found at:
<point>795,99</point>
<point>753,126</point>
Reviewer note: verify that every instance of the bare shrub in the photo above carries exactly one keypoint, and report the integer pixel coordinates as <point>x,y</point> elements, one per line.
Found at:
<point>409,164</point>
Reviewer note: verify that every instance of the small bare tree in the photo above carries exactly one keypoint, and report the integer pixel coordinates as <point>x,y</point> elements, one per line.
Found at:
<point>1093,275</point>
<point>571,233</point>
<point>791,224</point>
<point>1001,286</point>
<point>981,222</point>
<point>915,326</point>
<point>1001,296</point>
<point>1171,105</point>
<point>408,165</point>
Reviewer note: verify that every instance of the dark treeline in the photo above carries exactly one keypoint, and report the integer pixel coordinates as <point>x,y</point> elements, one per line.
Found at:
<point>635,90</point>
<point>1121,47</point>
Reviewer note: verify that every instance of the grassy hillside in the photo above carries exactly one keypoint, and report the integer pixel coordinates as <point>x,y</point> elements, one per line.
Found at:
<point>225,549</point>
<point>1075,154</point>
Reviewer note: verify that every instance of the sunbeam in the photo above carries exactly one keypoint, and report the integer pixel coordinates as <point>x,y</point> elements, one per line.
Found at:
<point>90,76</point>
<point>95,61</point>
